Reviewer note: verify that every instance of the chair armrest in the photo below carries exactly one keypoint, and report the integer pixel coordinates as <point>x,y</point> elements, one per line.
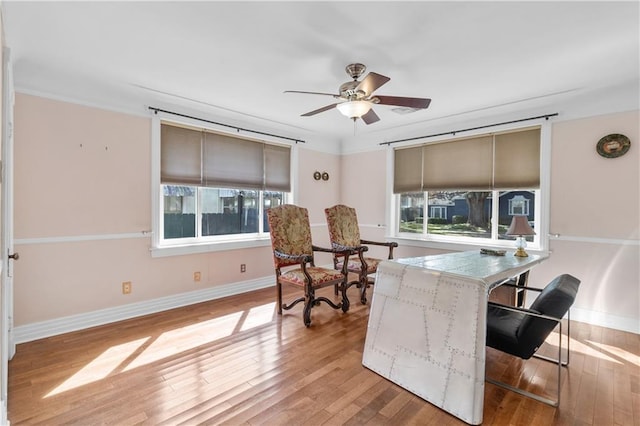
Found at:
<point>351,250</point>
<point>379,243</point>
<point>346,253</point>
<point>521,287</point>
<point>524,311</point>
<point>342,250</point>
<point>391,245</point>
<point>303,258</point>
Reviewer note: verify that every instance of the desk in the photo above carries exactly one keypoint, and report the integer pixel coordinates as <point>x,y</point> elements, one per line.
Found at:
<point>427,325</point>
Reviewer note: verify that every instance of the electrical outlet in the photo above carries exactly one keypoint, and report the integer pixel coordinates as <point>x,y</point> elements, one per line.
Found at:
<point>197,276</point>
<point>126,287</point>
<point>243,267</point>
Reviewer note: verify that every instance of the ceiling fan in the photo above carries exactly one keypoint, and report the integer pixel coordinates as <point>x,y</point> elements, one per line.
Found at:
<point>357,96</point>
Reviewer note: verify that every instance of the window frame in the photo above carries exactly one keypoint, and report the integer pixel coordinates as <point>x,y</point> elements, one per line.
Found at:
<point>440,209</point>
<point>180,246</point>
<point>457,243</point>
<point>525,206</point>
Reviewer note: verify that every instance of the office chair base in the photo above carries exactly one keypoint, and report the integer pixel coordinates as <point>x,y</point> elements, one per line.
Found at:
<point>524,393</point>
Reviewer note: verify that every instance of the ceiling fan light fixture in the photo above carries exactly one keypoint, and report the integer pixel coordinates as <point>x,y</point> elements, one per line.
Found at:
<point>354,109</point>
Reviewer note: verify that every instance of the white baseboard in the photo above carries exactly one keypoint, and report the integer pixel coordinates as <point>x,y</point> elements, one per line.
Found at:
<point>632,325</point>
<point>30,332</point>
<point>40,330</point>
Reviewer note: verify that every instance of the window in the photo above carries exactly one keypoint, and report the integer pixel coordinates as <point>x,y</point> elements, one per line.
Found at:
<point>471,187</point>
<point>518,205</point>
<point>438,212</point>
<point>216,187</point>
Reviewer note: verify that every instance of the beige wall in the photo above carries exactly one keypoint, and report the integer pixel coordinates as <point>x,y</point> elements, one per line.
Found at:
<point>85,172</point>
<point>592,196</point>
<point>79,170</point>
<point>594,207</point>
<point>316,195</point>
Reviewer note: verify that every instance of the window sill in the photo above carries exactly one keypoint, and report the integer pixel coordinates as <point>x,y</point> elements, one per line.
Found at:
<point>461,246</point>
<point>178,250</point>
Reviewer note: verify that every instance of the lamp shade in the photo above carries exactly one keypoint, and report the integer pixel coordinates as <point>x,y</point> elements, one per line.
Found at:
<point>520,226</point>
<point>354,109</point>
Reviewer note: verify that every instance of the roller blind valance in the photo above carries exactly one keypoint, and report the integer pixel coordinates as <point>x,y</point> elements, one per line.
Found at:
<point>501,161</point>
<point>210,159</point>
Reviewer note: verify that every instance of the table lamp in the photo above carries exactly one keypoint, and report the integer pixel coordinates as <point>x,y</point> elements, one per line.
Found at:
<point>520,227</point>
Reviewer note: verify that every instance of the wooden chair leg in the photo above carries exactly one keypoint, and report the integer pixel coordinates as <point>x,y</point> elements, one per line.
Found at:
<point>309,301</point>
<point>279,297</point>
<point>345,300</point>
<point>363,291</point>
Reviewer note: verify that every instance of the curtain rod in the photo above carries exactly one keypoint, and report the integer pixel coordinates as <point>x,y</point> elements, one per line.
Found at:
<point>453,132</point>
<point>238,129</point>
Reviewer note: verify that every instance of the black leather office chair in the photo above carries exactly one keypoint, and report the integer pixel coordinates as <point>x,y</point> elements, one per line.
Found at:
<point>520,332</point>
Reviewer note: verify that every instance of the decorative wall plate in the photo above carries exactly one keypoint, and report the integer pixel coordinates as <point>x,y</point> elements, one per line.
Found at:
<point>613,145</point>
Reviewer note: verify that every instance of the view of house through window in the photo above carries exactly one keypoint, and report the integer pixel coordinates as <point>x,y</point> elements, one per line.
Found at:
<point>464,213</point>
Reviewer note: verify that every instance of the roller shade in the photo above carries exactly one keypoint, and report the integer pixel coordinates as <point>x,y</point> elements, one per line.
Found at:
<point>408,170</point>
<point>464,164</point>
<point>232,162</point>
<point>193,157</point>
<point>277,167</point>
<point>180,156</point>
<point>502,161</point>
<point>517,160</point>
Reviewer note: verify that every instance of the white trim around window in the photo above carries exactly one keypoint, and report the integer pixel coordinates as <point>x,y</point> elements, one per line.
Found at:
<point>220,243</point>
<point>541,242</point>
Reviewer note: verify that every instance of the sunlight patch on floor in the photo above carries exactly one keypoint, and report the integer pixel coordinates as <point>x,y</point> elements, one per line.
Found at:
<point>584,349</point>
<point>100,367</point>
<point>182,339</point>
<point>258,316</point>
<point>618,353</point>
<point>137,353</point>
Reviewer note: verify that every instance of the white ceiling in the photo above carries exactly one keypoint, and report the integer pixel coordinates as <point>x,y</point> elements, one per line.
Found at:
<point>235,59</point>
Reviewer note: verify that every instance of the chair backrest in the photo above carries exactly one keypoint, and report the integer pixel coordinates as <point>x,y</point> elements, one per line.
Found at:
<point>290,232</point>
<point>342,222</point>
<point>555,301</point>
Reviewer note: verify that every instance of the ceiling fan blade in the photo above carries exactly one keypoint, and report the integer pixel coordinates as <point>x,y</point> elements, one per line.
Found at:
<point>319,110</point>
<point>312,93</point>
<point>372,82</point>
<point>370,117</point>
<point>418,103</point>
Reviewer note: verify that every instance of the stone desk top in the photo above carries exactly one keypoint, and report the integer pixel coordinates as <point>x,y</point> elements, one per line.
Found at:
<point>485,268</point>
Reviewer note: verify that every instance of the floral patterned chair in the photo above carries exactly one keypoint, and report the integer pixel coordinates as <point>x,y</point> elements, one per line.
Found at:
<point>291,242</point>
<point>344,234</point>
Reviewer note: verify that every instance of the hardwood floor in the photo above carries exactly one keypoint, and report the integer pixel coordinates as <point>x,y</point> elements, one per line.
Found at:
<point>235,361</point>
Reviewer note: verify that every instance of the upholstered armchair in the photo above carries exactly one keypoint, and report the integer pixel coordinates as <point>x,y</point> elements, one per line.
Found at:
<point>521,332</point>
<point>344,234</point>
<point>293,257</point>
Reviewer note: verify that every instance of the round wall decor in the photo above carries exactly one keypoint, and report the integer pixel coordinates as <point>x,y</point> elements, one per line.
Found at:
<point>613,145</point>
